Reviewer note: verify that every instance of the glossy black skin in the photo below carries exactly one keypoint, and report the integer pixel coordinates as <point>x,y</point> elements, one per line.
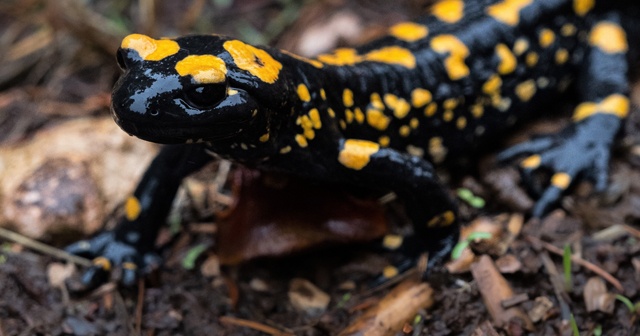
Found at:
<point>152,102</point>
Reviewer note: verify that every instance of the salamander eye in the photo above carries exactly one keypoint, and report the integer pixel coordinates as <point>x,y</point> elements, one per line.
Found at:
<point>120,57</point>
<point>205,96</point>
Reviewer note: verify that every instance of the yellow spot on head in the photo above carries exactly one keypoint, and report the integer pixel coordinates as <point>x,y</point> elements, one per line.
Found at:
<point>377,119</point>
<point>532,162</point>
<point>404,131</point>
<point>547,37</point>
<point>148,48</point>
<point>458,52</point>
<point>392,55</point>
<point>449,11</point>
<point>356,154</point>
<point>256,61</point>
<point>301,140</point>
<point>520,46</point>
<point>132,208</point>
<point>392,241</point>
<point>508,11</point>
<point>303,93</point>
<point>103,262</point>
<point>409,31</point>
<point>420,97</point>
<point>204,69</point>
<point>399,106</point>
<point>492,85</point>
<point>582,7</point>
<point>609,37</point>
<point>562,56</point>
<point>384,141</point>
<point>347,98</point>
<point>561,180</point>
<point>526,90</point>
<point>508,61</point>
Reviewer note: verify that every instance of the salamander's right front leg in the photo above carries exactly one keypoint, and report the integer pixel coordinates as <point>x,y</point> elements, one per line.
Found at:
<point>427,202</point>
<point>130,245</point>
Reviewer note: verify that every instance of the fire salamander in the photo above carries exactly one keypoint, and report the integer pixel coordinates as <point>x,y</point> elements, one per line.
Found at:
<point>378,116</point>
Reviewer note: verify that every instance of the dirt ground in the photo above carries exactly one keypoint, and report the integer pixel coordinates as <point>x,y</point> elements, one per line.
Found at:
<point>65,167</point>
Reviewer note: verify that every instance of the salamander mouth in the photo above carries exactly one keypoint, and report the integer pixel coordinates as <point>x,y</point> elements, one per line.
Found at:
<point>171,133</point>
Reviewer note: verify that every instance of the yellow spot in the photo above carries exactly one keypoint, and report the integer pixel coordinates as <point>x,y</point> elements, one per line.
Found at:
<point>445,219</point>
<point>341,56</point>
<point>392,55</point>
<point>103,262</point>
<point>547,37</point>
<point>561,180</point>
<point>376,101</point>
<point>520,46</point>
<point>437,151</point>
<point>392,241</point>
<point>414,123</point>
<point>343,124</point>
<point>450,103</point>
<point>132,208</point>
<point>508,61</point>
<point>303,93</point>
<point>420,97</point>
<point>532,162</point>
<point>390,272</point>
<point>348,115</point>
<point>264,137</point>
<point>399,106</point>
<point>526,90</point>
<point>562,55</point>
<point>314,115</point>
<point>232,92</point>
<point>531,59</point>
<point>384,141</point>
<point>301,140</point>
<point>458,52</point>
<point>256,61</point>
<point>323,94</point>
<point>431,109</point>
<point>129,266</point>
<point>568,29</point>
<point>409,31</point>
<point>477,110</point>
<point>309,134</point>
<point>582,7</point>
<point>286,149</point>
<point>461,123</point>
<point>447,115</point>
<point>508,11</point>
<point>148,48</point>
<point>358,115</point>
<point>492,85</point>
<point>204,69</point>
<point>609,37</point>
<point>347,98</point>
<point>331,112</point>
<point>449,11</point>
<point>356,153</point>
<point>404,131</point>
<point>313,62</point>
<point>615,104</point>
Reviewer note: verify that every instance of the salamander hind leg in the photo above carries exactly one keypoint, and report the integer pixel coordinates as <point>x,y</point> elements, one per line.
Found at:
<point>582,149</point>
<point>427,202</point>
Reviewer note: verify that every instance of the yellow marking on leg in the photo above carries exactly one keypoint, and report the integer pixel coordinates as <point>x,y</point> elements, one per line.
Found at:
<point>609,37</point>
<point>392,242</point>
<point>445,219</point>
<point>532,162</point>
<point>303,93</point>
<point>132,208</point>
<point>390,272</point>
<point>458,52</point>
<point>129,266</point>
<point>615,104</point>
<point>561,180</point>
<point>301,140</point>
<point>404,131</point>
<point>148,48</point>
<point>546,38</point>
<point>204,69</point>
<point>582,7</point>
<point>526,90</point>
<point>409,31</point>
<point>256,61</point>
<point>103,263</point>
<point>450,11</point>
<point>562,56</point>
<point>392,55</point>
<point>377,119</point>
<point>508,61</point>
<point>520,46</point>
<point>420,97</point>
<point>384,141</point>
<point>508,11</point>
<point>356,154</point>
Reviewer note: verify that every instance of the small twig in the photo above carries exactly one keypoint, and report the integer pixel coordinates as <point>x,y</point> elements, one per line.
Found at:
<point>586,264</point>
<point>139,306</point>
<point>43,248</point>
<point>558,288</point>
<point>254,325</point>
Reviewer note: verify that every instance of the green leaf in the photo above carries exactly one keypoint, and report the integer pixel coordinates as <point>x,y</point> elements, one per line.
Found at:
<point>189,260</point>
<point>566,263</point>
<point>627,302</point>
<point>574,326</point>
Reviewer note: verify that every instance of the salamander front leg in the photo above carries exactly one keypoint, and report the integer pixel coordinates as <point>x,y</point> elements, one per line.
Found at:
<point>130,245</point>
<point>431,210</point>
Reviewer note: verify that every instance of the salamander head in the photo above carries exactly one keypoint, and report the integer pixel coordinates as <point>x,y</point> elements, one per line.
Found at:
<point>194,88</point>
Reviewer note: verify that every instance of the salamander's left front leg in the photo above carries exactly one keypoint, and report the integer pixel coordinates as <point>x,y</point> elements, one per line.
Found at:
<point>432,211</point>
